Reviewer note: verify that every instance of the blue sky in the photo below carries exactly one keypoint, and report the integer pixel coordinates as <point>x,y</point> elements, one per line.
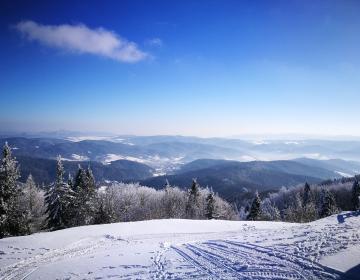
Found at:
<point>206,68</point>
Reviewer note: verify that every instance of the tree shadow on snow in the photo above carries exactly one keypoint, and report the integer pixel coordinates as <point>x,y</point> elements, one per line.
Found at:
<point>341,217</point>
<point>351,274</point>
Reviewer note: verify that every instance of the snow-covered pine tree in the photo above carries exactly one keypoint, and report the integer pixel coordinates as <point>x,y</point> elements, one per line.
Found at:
<point>13,219</point>
<point>84,203</point>
<point>192,206</point>
<point>76,211</point>
<point>210,206</point>
<point>70,180</point>
<point>101,216</point>
<point>328,204</point>
<point>355,196</point>
<point>89,195</point>
<point>59,198</point>
<point>255,209</point>
<point>308,205</point>
<point>307,194</point>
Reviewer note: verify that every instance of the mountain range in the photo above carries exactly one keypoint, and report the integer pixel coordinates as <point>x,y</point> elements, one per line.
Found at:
<point>229,166</point>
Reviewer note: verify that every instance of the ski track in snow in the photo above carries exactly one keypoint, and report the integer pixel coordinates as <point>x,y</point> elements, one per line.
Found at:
<point>24,268</point>
<point>237,260</point>
<point>280,251</point>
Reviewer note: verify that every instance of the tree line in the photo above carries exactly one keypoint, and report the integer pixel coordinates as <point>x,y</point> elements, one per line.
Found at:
<point>305,203</point>
<point>68,202</point>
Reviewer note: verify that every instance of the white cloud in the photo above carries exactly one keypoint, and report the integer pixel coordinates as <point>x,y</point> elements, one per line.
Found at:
<point>154,42</point>
<point>81,39</point>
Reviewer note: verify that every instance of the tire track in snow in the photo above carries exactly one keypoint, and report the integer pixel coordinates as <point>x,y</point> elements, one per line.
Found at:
<point>237,260</point>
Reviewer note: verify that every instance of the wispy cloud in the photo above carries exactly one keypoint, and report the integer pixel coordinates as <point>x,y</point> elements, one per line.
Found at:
<point>81,39</point>
<point>154,42</point>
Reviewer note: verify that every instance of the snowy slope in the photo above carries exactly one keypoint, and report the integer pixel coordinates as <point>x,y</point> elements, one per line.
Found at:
<point>188,249</point>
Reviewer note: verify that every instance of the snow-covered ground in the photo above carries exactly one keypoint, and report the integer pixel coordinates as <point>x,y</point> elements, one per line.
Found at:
<point>188,249</point>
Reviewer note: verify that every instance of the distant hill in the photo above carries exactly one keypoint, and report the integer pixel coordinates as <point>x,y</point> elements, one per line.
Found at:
<point>287,166</point>
<point>43,170</point>
<point>98,150</point>
<point>339,166</point>
<point>230,178</point>
<point>136,158</point>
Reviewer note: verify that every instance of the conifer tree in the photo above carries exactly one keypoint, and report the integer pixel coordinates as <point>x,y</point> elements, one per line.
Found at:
<point>355,196</point>
<point>307,194</point>
<point>89,195</point>
<point>308,205</point>
<point>192,207</point>
<point>210,206</point>
<point>59,198</point>
<point>70,180</point>
<point>255,209</point>
<point>84,203</point>
<point>13,219</point>
<point>328,204</point>
<point>105,213</point>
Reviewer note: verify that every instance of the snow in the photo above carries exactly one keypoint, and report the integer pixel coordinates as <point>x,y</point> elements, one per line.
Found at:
<point>76,157</point>
<point>315,156</point>
<point>79,157</point>
<point>343,174</point>
<point>247,158</point>
<point>90,137</point>
<point>187,249</point>
<point>162,165</point>
<point>113,157</point>
<point>260,142</point>
<point>291,143</point>
<point>114,139</point>
<point>344,260</point>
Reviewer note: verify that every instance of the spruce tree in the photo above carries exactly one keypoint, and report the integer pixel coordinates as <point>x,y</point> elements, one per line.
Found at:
<point>59,198</point>
<point>307,194</point>
<point>355,196</point>
<point>12,219</point>
<point>192,207</point>
<point>77,215</point>
<point>308,205</point>
<point>89,195</point>
<point>210,206</point>
<point>105,213</point>
<point>328,204</point>
<point>255,209</point>
<point>84,203</point>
